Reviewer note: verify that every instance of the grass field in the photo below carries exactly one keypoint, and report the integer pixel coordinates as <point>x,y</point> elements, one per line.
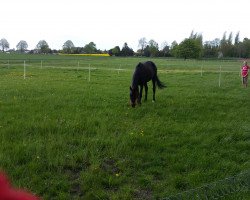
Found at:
<point>67,132</point>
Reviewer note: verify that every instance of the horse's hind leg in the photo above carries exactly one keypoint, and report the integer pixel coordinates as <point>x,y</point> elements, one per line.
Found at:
<point>146,91</point>
<point>154,87</point>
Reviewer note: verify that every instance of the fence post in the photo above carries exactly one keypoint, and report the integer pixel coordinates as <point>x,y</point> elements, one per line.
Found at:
<point>201,68</point>
<point>220,77</point>
<point>89,72</point>
<point>24,70</point>
<point>119,69</point>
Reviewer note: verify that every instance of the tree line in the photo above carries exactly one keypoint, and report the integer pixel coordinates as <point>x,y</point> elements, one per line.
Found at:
<point>191,47</point>
<point>43,48</point>
<point>194,47</point>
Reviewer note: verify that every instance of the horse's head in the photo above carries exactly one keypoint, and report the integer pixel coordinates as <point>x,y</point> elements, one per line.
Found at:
<point>134,94</point>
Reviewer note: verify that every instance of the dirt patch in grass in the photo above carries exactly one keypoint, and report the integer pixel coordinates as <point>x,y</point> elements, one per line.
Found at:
<point>145,194</point>
<point>110,166</point>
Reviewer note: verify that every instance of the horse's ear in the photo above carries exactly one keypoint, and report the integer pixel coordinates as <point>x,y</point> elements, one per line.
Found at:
<point>139,64</point>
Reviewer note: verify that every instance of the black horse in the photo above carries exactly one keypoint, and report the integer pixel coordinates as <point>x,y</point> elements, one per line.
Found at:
<point>144,72</point>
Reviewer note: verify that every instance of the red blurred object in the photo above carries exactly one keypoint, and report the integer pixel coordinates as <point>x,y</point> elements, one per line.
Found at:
<point>9,193</point>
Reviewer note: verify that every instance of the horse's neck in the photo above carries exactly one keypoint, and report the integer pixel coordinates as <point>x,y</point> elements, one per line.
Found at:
<point>135,80</point>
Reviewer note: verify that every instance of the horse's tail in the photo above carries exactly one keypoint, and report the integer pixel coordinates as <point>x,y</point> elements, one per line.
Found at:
<point>160,84</point>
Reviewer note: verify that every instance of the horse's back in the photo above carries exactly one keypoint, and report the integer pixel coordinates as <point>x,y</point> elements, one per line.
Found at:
<point>144,72</point>
<point>150,64</point>
<point>150,69</point>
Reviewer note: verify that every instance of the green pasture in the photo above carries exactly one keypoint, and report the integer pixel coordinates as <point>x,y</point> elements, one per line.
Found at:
<point>67,130</point>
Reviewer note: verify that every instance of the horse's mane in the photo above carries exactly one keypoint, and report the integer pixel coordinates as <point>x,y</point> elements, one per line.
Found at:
<point>139,64</point>
<point>135,75</point>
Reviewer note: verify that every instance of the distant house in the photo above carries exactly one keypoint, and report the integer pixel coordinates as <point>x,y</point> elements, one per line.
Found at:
<point>10,51</point>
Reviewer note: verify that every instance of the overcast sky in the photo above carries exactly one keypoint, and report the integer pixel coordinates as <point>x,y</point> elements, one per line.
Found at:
<point>111,23</point>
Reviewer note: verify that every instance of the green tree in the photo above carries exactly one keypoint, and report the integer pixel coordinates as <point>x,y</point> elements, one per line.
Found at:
<point>116,51</point>
<point>237,45</point>
<point>22,46</point>
<point>4,44</point>
<point>146,51</point>
<point>211,48</point>
<point>246,48</point>
<point>230,49</point>
<point>226,45</point>
<point>43,46</point>
<point>189,48</point>
<point>230,39</point>
<point>142,45</point>
<point>126,50</point>
<point>198,40</point>
<point>77,50</point>
<point>174,49</point>
<point>237,38</point>
<point>165,49</point>
<point>68,47</point>
<point>153,48</point>
<point>90,48</point>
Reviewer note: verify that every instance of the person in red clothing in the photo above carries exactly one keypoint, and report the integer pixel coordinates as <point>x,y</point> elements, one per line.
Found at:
<point>7,192</point>
<point>244,74</point>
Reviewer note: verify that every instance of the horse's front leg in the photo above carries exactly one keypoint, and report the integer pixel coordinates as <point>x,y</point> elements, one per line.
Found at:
<point>140,94</point>
<point>146,91</point>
